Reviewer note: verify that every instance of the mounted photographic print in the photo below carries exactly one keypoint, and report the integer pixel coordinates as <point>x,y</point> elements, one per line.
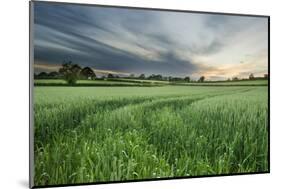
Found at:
<point>121,94</point>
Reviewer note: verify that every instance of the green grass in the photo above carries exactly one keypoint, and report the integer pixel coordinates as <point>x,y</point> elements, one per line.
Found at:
<point>137,82</point>
<point>233,83</point>
<point>93,134</point>
<point>109,82</point>
<point>140,80</point>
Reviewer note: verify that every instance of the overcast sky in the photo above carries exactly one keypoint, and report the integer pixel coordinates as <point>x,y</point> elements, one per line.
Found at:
<point>125,41</point>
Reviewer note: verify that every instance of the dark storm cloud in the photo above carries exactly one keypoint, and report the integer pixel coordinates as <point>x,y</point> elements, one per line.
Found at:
<point>60,34</point>
<point>128,40</point>
<point>172,64</point>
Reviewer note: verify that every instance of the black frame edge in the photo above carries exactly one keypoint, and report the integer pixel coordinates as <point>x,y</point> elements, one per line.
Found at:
<point>268,64</point>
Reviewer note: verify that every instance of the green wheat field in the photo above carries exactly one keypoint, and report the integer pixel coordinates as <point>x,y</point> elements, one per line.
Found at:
<point>101,134</point>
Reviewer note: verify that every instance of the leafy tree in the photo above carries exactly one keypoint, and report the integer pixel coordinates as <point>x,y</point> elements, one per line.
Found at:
<point>151,76</point>
<point>142,76</point>
<point>235,79</point>
<point>266,76</point>
<point>187,79</point>
<point>54,74</point>
<point>251,76</point>
<point>201,79</point>
<point>110,76</point>
<point>176,79</point>
<point>158,77</point>
<point>132,76</point>
<point>87,73</point>
<point>42,75</point>
<point>70,72</point>
<point>155,77</point>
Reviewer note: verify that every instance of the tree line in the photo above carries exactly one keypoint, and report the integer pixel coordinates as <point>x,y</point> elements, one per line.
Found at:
<point>73,72</point>
<point>69,72</point>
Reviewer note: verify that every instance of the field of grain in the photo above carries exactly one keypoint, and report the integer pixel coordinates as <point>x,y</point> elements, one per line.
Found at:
<point>118,82</point>
<point>95,134</point>
<point>107,82</point>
